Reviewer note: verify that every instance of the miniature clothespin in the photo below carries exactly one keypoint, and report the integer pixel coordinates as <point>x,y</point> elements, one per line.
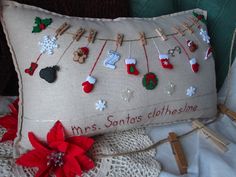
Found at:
<point>143,38</point>
<point>62,29</point>
<point>161,33</point>
<point>179,31</point>
<point>223,109</point>
<point>178,152</point>
<point>190,30</point>
<point>119,39</point>
<point>220,142</point>
<point>78,34</point>
<point>92,35</point>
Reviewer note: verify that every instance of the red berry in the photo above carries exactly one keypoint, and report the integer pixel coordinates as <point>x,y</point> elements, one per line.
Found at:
<point>200,17</point>
<point>42,26</point>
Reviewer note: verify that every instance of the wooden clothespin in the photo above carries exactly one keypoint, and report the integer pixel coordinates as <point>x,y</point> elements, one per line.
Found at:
<point>220,142</point>
<point>143,38</point>
<point>78,34</point>
<point>223,109</point>
<point>119,39</point>
<point>179,30</point>
<point>161,33</point>
<point>185,25</point>
<point>92,35</point>
<point>62,29</point>
<point>178,152</point>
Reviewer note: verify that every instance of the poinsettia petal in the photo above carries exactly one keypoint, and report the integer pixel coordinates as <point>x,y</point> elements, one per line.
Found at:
<point>81,141</point>
<point>36,143</point>
<point>9,122</point>
<point>74,150</point>
<point>9,135</point>
<point>43,171</point>
<point>59,146</point>
<point>56,133</point>
<point>71,164</point>
<point>85,162</point>
<point>32,158</point>
<point>59,172</point>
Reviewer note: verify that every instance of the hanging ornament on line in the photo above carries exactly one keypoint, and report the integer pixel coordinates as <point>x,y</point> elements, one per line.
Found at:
<point>47,44</point>
<point>205,36</point>
<point>191,44</point>
<point>49,74</point>
<point>81,54</point>
<point>172,51</point>
<point>192,61</point>
<point>88,85</point>
<point>164,58</point>
<point>131,64</point>
<point>112,55</point>
<point>149,80</point>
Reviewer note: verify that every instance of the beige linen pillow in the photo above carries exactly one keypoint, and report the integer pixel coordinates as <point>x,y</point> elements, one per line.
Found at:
<point>100,87</point>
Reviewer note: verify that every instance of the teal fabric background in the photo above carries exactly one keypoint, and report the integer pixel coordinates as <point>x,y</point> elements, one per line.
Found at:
<point>221,23</point>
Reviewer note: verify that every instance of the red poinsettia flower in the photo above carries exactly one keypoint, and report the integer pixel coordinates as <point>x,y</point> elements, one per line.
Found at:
<point>9,122</point>
<point>65,157</point>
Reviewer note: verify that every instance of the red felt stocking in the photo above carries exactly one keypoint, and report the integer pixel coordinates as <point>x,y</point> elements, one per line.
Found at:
<point>165,61</point>
<point>194,65</point>
<point>131,66</point>
<point>31,69</point>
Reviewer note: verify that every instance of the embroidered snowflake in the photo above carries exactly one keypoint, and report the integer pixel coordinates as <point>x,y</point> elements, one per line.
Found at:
<point>48,44</point>
<point>204,35</point>
<point>191,91</point>
<point>100,105</point>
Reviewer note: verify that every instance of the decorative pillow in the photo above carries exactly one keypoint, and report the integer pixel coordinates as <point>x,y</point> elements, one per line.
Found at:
<point>99,75</point>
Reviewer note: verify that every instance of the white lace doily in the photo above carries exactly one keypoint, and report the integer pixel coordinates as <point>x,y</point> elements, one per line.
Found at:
<point>135,165</point>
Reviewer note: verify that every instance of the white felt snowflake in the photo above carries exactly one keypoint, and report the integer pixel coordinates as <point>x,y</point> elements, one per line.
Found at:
<point>191,91</point>
<point>100,105</point>
<point>48,44</point>
<point>204,35</point>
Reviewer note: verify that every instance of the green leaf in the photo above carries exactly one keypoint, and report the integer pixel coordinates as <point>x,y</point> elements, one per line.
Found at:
<point>47,21</point>
<point>36,29</point>
<point>37,20</point>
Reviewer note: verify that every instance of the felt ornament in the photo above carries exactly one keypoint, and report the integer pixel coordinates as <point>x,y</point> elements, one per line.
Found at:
<point>205,36</point>
<point>58,156</point>
<point>9,122</point>
<point>150,81</point>
<point>191,91</point>
<point>41,24</point>
<point>164,59</point>
<point>49,74</point>
<point>111,59</point>
<point>89,84</point>
<point>208,53</point>
<point>48,44</point>
<point>100,105</point>
<point>81,55</point>
<point>31,69</point>
<point>172,51</point>
<point>131,66</point>
<point>192,46</point>
<point>200,17</point>
<point>194,65</point>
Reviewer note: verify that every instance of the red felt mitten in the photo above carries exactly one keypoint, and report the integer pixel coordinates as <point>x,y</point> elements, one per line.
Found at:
<point>194,65</point>
<point>88,84</point>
